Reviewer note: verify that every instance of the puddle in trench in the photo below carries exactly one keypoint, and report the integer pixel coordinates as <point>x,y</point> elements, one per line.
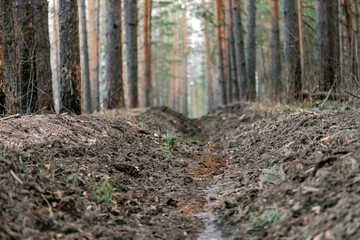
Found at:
<point>211,230</point>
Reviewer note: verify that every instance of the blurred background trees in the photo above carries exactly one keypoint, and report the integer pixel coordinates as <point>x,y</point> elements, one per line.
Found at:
<point>190,55</point>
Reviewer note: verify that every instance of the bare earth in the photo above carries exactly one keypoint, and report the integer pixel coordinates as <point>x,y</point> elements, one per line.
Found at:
<point>241,172</point>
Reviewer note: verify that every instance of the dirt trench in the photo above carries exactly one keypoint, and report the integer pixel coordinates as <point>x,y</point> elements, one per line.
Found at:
<point>241,172</point>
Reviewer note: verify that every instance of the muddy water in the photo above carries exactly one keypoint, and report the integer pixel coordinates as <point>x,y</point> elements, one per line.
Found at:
<point>214,193</point>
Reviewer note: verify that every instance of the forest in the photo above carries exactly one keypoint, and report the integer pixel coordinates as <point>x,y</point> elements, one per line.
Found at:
<point>181,119</point>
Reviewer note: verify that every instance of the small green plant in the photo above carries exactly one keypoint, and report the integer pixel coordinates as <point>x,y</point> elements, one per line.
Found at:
<point>274,114</point>
<point>261,219</point>
<point>151,120</point>
<point>194,140</point>
<point>272,173</point>
<point>141,117</point>
<point>169,140</point>
<point>72,180</point>
<point>103,189</point>
<point>312,104</point>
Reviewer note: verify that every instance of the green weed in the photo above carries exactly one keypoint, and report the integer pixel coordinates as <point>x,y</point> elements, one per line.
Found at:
<point>274,114</point>
<point>194,140</point>
<point>103,189</point>
<point>72,180</point>
<point>261,219</point>
<point>169,140</point>
<point>272,173</point>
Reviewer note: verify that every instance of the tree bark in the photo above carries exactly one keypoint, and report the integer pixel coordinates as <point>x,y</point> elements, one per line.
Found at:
<point>85,57</point>
<point>94,51</point>
<point>239,48</point>
<point>292,51</point>
<point>275,51</point>
<point>302,42</point>
<point>220,56</point>
<point>209,77</point>
<point>356,28</point>
<point>2,79</point>
<point>251,50</point>
<point>10,59</point>
<point>130,12</point>
<point>70,76</point>
<point>327,43</point>
<point>185,52</point>
<point>147,53</point>
<point>45,101</point>
<point>25,56</point>
<point>115,91</point>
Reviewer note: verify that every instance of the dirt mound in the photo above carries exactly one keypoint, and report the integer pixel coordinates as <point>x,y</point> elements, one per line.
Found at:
<point>94,177</point>
<point>241,172</point>
<point>296,177</point>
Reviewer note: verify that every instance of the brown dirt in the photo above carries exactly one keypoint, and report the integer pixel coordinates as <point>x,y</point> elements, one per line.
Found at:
<point>273,181</point>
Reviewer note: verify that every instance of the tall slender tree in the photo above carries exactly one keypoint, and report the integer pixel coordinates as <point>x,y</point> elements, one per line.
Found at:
<point>10,59</point>
<point>292,51</point>
<point>85,57</point>
<point>239,47</point>
<point>275,50</point>
<point>302,41</point>
<point>210,86</point>
<point>327,43</point>
<point>185,53</point>
<point>130,15</point>
<point>147,53</point>
<point>2,80</point>
<point>94,51</point>
<point>356,29</point>
<point>251,50</point>
<point>220,53</point>
<point>114,88</point>
<point>45,102</point>
<point>70,72</point>
<point>24,14</point>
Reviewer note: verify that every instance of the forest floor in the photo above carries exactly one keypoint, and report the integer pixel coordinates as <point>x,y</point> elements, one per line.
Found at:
<point>241,172</point>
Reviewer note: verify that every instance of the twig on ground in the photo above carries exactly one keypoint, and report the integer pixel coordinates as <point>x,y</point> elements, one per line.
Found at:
<point>327,96</point>
<point>47,202</point>
<point>353,95</point>
<point>299,124</point>
<point>16,177</point>
<point>10,117</point>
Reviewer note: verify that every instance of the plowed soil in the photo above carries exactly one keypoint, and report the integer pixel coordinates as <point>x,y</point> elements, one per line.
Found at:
<point>241,172</point>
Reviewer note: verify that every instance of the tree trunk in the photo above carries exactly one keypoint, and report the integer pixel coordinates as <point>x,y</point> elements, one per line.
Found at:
<point>302,42</point>
<point>45,102</point>
<point>147,53</point>
<point>185,49</point>
<point>94,53</point>
<point>275,51</point>
<point>232,84</point>
<point>356,28</point>
<point>70,77</point>
<point>209,77</point>
<point>239,48</point>
<point>115,91</point>
<point>26,55</point>
<point>328,43</point>
<point>85,57</point>
<point>2,79</point>
<point>220,55</point>
<point>10,59</point>
<point>292,51</point>
<point>251,50</point>
<point>130,10</point>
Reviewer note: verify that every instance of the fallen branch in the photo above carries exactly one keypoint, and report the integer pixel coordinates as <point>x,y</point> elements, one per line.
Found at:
<point>353,95</point>
<point>10,117</point>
